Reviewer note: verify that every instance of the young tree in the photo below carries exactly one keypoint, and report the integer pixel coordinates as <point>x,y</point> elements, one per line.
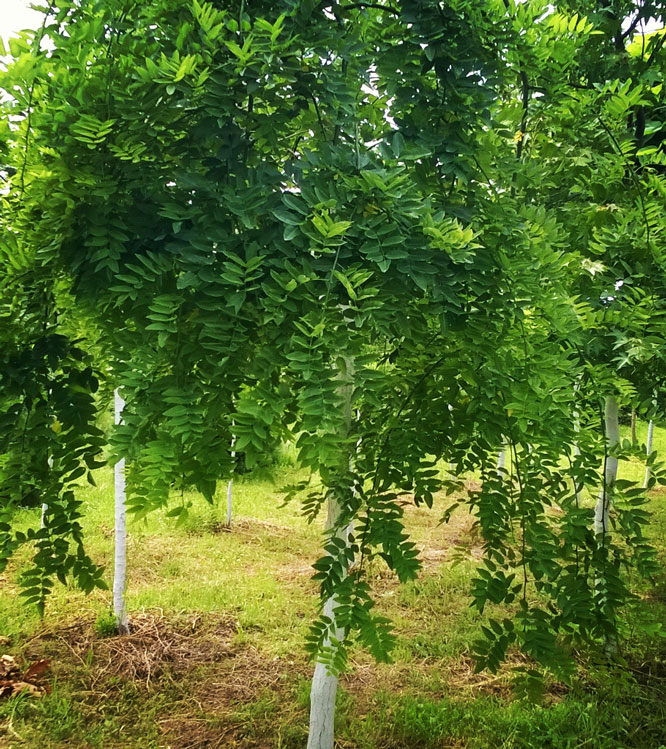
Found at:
<point>120,535</point>
<point>248,200</point>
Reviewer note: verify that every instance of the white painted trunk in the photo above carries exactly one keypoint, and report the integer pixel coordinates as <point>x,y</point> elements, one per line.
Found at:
<point>45,507</point>
<point>452,465</point>
<point>602,508</point>
<point>576,449</point>
<point>322,700</point>
<point>648,451</point>
<point>229,502</point>
<point>324,685</point>
<point>120,559</point>
<point>230,484</point>
<point>501,461</point>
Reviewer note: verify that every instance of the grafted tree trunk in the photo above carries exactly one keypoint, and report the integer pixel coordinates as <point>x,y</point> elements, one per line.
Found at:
<point>324,684</point>
<point>120,558</point>
<point>602,508</point>
<point>648,451</point>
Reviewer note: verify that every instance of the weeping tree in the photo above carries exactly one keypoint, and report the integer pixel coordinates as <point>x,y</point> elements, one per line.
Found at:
<point>194,258</point>
<point>286,213</point>
<point>49,438</point>
<point>604,184</point>
<point>40,203</point>
<point>49,435</point>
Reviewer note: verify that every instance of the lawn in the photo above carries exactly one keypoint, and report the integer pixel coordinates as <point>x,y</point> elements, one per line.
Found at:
<point>219,616</point>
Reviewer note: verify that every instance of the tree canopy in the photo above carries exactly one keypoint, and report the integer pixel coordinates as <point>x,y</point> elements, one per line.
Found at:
<point>218,209</point>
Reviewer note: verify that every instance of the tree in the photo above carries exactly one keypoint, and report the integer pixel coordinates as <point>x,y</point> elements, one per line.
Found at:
<point>247,202</point>
<point>120,535</point>
<point>604,185</point>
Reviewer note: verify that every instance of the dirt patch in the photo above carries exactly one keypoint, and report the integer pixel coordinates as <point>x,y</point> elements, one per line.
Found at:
<point>462,678</point>
<point>436,543</point>
<point>194,732</point>
<point>457,678</point>
<point>148,554</point>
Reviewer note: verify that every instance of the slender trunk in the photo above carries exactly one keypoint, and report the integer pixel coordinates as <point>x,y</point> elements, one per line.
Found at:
<point>452,465</point>
<point>229,486</point>
<point>576,447</point>
<point>229,502</point>
<point>501,461</point>
<point>45,507</point>
<point>601,510</point>
<point>648,451</point>
<point>634,439</point>
<point>120,560</point>
<point>325,685</point>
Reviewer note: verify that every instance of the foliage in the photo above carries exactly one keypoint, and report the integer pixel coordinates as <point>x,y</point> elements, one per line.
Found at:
<point>242,202</point>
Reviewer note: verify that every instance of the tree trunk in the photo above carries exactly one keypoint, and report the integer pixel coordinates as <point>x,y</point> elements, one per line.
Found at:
<point>120,560</point>
<point>325,685</point>
<point>501,461</point>
<point>648,451</point>
<point>601,510</point>
<point>229,503</point>
<point>634,439</point>
<point>229,486</point>
<point>45,507</point>
<point>576,447</point>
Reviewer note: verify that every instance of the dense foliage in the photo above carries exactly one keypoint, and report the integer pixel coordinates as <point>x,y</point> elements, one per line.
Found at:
<point>455,209</point>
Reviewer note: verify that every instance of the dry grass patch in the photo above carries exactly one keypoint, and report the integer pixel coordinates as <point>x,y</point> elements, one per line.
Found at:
<point>156,646</point>
<point>239,703</point>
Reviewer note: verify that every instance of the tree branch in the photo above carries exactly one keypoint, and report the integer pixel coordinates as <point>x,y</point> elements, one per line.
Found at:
<point>633,25</point>
<point>377,6</point>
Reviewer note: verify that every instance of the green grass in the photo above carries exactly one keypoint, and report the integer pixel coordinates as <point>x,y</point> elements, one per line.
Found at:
<point>490,722</point>
<point>248,687</point>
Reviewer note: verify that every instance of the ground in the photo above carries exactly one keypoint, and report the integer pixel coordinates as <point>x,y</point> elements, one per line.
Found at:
<point>215,654</point>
